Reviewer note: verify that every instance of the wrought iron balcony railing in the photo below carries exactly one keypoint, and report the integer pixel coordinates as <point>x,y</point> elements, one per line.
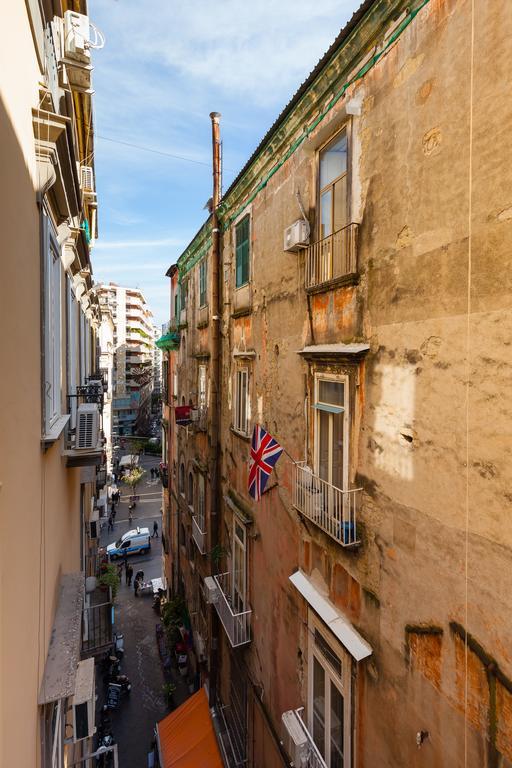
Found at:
<point>198,534</point>
<point>236,623</point>
<point>333,257</point>
<point>333,510</point>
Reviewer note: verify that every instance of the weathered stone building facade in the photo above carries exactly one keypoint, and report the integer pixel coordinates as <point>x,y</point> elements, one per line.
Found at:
<point>370,585</point>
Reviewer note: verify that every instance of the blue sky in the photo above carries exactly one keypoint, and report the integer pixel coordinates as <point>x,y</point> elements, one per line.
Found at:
<point>161,72</point>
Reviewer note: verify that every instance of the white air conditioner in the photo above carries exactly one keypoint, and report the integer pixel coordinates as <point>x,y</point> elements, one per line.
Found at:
<point>194,414</point>
<point>211,590</point>
<point>83,701</point>
<point>87,178</point>
<point>87,426</point>
<point>76,37</point>
<point>296,236</point>
<point>295,740</point>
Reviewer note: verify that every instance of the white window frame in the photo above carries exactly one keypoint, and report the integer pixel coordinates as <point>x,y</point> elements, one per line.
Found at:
<point>241,410</point>
<point>72,343</point>
<point>190,491</point>
<point>342,683</point>
<point>52,327</point>
<point>239,557</point>
<point>202,387</point>
<point>339,379</point>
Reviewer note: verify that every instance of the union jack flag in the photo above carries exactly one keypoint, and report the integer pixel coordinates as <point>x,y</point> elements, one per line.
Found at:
<point>265,451</point>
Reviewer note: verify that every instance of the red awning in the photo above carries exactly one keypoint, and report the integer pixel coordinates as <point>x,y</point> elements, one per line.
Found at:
<point>186,738</point>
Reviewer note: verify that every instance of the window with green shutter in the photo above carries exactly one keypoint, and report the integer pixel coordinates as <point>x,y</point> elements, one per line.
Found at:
<point>242,239</point>
<point>203,275</point>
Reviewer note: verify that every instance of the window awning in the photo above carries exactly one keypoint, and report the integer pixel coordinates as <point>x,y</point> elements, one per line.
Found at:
<point>186,738</point>
<point>318,351</point>
<point>337,622</point>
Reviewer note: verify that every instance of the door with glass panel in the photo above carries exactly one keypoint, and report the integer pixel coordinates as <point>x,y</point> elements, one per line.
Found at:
<point>333,207</point>
<point>239,571</point>
<point>329,697</point>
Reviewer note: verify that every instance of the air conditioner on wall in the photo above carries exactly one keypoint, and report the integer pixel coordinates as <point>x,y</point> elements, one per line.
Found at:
<point>296,236</point>
<point>295,740</point>
<point>87,178</point>
<point>76,37</point>
<point>84,701</point>
<point>211,590</point>
<point>87,426</point>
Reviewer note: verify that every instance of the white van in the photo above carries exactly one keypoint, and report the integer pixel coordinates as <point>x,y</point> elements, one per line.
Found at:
<point>131,543</point>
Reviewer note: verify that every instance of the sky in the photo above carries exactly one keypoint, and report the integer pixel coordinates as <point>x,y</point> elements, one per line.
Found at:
<point>164,67</point>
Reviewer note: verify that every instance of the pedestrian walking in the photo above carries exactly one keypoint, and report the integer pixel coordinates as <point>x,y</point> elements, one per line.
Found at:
<point>120,571</point>
<point>155,530</point>
<point>110,526</point>
<point>129,575</point>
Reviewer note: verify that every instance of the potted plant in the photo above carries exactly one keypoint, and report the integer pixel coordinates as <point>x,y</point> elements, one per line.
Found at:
<point>109,578</point>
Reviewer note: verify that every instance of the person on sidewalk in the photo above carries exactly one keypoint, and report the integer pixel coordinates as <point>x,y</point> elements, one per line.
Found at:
<point>110,526</point>
<point>129,575</point>
<point>155,530</point>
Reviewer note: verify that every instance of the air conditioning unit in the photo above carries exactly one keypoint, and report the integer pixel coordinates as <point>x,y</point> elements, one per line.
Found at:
<point>87,178</point>
<point>83,701</point>
<point>87,426</point>
<point>296,236</point>
<point>295,740</point>
<point>211,590</point>
<point>194,414</point>
<point>76,37</point>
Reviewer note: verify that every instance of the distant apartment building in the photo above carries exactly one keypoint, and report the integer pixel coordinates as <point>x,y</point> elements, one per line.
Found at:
<point>353,298</point>
<point>157,362</point>
<point>134,352</point>
<point>52,462</point>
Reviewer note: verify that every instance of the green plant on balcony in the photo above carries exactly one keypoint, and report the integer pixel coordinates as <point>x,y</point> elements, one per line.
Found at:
<point>109,578</point>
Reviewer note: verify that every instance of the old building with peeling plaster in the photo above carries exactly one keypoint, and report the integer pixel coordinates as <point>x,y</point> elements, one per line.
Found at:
<point>370,588</point>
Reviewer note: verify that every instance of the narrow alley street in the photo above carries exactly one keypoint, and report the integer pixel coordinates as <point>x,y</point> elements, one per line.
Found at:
<point>133,723</point>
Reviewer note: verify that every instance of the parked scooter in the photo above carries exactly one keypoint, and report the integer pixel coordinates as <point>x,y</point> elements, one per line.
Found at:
<point>105,740</point>
<point>121,680</point>
<point>119,644</point>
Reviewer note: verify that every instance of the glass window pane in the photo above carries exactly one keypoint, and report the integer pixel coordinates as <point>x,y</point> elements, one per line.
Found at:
<point>333,160</point>
<point>319,706</point>
<point>336,728</point>
<point>340,215</point>
<point>323,444</point>
<point>331,392</point>
<point>327,652</point>
<point>326,214</point>
<point>337,450</point>
<point>242,251</point>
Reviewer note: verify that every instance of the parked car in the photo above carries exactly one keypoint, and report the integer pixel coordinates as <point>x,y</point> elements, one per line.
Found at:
<point>132,542</point>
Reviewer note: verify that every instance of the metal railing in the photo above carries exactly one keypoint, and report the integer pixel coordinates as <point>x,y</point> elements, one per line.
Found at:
<point>333,510</point>
<point>314,758</point>
<point>236,624</point>
<point>97,627</point>
<point>332,257</point>
<point>198,535</point>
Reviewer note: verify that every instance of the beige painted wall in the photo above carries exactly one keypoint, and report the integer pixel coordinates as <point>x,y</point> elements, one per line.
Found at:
<point>39,497</point>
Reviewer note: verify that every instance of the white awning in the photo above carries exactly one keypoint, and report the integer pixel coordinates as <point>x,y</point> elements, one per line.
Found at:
<point>338,624</point>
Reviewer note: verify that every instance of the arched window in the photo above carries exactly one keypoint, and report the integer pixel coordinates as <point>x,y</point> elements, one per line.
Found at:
<point>191,490</point>
<point>181,483</point>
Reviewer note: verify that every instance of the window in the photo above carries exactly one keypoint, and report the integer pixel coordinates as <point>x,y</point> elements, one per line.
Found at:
<point>203,277</point>
<point>329,696</point>
<point>181,481</point>
<point>191,492</point>
<point>201,506</point>
<point>241,417</point>
<point>242,248</point>
<point>238,594</point>
<point>202,388</point>
<point>72,342</point>
<point>176,304</point>
<point>331,429</point>
<point>333,186</point>
<point>52,327</point>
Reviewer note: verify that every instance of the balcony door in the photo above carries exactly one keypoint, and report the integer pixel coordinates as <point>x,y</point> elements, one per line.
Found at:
<point>331,430</point>
<point>329,705</point>
<point>239,567</point>
<point>333,174</point>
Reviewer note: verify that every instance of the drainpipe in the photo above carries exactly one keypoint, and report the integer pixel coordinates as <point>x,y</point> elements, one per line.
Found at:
<point>215,398</point>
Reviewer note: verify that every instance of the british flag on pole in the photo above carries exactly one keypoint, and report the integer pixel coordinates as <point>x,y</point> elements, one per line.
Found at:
<point>265,451</point>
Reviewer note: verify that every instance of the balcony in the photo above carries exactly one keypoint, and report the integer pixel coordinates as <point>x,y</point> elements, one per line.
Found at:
<point>298,741</point>
<point>330,508</point>
<point>333,259</point>
<point>198,534</point>
<point>237,625</point>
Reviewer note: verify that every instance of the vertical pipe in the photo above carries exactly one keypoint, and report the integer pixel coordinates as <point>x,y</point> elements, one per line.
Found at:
<point>215,399</point>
